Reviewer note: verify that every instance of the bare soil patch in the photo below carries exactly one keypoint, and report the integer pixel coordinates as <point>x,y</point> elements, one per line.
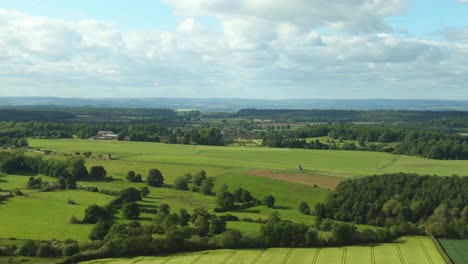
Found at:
<point>326,182</point>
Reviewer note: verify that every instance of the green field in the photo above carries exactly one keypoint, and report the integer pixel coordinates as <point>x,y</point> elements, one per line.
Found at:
<point>417,250</point>
<point>457,250</point>
<point>175,160</point>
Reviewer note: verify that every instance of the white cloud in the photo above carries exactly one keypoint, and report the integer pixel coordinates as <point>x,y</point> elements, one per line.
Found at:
<point>277,58</point>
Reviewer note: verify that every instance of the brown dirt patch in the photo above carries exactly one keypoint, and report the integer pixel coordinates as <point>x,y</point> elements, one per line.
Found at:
<point>326,182</point>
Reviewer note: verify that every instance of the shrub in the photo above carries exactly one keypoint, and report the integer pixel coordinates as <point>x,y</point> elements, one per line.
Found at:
<point>269,201</point>
<point>70,249</point>
<point>181,183</point>
<point>155,178</point>
<point>131,210</point>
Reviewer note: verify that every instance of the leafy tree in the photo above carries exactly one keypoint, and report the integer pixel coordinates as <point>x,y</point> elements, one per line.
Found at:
<point>76,168</point>
<point>144,191</point>
<point>207,186</point>
<point>217,225</point>
<point>28,248</point>
<point>225,199</point>
<point>181,183</point>
<point>269,201</point>
<point>199,177</point>
<point>184,217</point>
<point>94,213</point>
<point>130,176</point>
<point>130,195</point>
<point>164,209</point>
<point>131,210</point>
<point>97,172</point>
<point>203,225</point>
<point>70,249</point>
<point>100,230</point>
<point>155,178</point>
<point>304,208</point>
<point>45,250</point>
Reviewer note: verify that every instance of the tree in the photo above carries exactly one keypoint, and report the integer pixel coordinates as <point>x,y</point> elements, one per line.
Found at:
<point>304,208</point>
<point>242,195</point>
<point>225,199</point>
<point>97,172</point>
<point>181,183</point>
<point>94,213</point>
<point>184,217</point>
<point>130,176</point>
<point>70,249</point>
<point>144,191</point>
<point>199,177</point>
<point>45,250</point>
<point>203,225</point>
<point>207,186</point>
<point>70,182</point>
<point>130,195</point>
<point>28,248</point>
<point>155,178</point>
<point>343,234</point>
<point>131,210</point>
<point>269,201</point>
<point>22,142</point>
<point>217,225</point>
<point>100,230</point>
<point>76,168</point>
<point>164,209</point>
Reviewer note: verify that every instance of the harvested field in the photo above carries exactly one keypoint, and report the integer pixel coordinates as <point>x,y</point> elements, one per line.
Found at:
<point>326,182</point>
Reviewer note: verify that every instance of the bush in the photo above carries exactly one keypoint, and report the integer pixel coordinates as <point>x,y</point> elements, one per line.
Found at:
<point>144,191</point>
<point>130,195</point>
<point>155,178</point>
<point>131,210</point>
<point>46,250</point>
<point>94,213</point>
<point>100,230</point>
<point>304,208</point>
<point>29,248</point>
<point>70,249</point>
<point>269,201</point>
<point>181,183</point>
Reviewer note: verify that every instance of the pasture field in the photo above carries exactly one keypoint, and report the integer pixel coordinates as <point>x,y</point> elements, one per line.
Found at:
<point>457,250</point>
<point>417,250</point>
<point>176,160</point>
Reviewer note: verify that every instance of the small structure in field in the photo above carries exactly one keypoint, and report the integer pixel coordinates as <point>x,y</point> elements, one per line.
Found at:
<point>105,135</point>
<point>109,156</point>
<point>299,167</point>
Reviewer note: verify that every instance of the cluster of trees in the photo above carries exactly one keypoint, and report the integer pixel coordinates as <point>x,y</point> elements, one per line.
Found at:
<point>429,144</point>
<point>405,203</point>
<point>52,248</point>
<point>67,171</point>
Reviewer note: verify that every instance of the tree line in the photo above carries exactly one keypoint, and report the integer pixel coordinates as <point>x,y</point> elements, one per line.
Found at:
<point>428,144</point>
<point>405,203</point>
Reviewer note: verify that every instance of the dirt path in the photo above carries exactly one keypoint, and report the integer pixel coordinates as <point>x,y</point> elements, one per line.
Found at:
<point>327,182</point>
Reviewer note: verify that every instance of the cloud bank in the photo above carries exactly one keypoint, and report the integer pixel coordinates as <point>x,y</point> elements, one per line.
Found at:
<point>264,49</point>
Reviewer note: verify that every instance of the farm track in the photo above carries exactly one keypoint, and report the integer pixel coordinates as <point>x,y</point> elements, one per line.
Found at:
<point>196,260</point>
<point>314,260</point>
<point>343,259</point>
<point>229,257</point>
<point>425,251</point>
<point>166,260</point>
<point>400,255</point>
<point>372,254</point>
<point>288,254</point>
<point>390,163</point>
<point>260,254</point>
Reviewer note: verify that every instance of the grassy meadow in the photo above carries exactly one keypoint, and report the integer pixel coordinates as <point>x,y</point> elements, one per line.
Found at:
<point>417,250</point>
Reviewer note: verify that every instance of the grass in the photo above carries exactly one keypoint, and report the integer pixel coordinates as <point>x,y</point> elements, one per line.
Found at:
<point>175,160</point>
<point>418,250</point>
<point>46,215</point>
<point>26,260</point>
<point>457,250</point>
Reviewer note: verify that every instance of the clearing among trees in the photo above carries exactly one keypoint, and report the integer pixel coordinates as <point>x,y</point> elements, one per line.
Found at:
<point>326,182</point>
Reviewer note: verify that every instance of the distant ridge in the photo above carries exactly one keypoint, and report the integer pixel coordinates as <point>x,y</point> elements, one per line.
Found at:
<point>220,104</point>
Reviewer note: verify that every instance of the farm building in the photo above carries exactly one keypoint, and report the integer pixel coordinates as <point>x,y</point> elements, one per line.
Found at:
<point>105,135</point>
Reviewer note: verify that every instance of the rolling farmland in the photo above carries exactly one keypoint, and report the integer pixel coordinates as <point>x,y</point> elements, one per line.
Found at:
<point>417,250</point>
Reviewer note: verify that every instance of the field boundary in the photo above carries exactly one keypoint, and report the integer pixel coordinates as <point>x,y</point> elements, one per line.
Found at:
<point>442,251</point>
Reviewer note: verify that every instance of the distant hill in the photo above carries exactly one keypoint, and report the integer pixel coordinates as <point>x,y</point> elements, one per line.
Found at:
<point>214,104</point>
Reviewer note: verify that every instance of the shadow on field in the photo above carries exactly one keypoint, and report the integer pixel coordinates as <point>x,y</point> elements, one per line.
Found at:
<point>283,207</point>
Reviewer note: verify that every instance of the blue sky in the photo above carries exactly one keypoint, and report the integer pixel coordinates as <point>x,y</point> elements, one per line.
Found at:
<point>243,49</point>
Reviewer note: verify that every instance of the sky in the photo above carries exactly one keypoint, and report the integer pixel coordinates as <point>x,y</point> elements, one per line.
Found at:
<point>270,49</point>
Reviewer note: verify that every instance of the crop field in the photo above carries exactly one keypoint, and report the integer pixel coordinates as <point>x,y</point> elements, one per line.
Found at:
<point>417,250</point>
<point>457,250</point>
